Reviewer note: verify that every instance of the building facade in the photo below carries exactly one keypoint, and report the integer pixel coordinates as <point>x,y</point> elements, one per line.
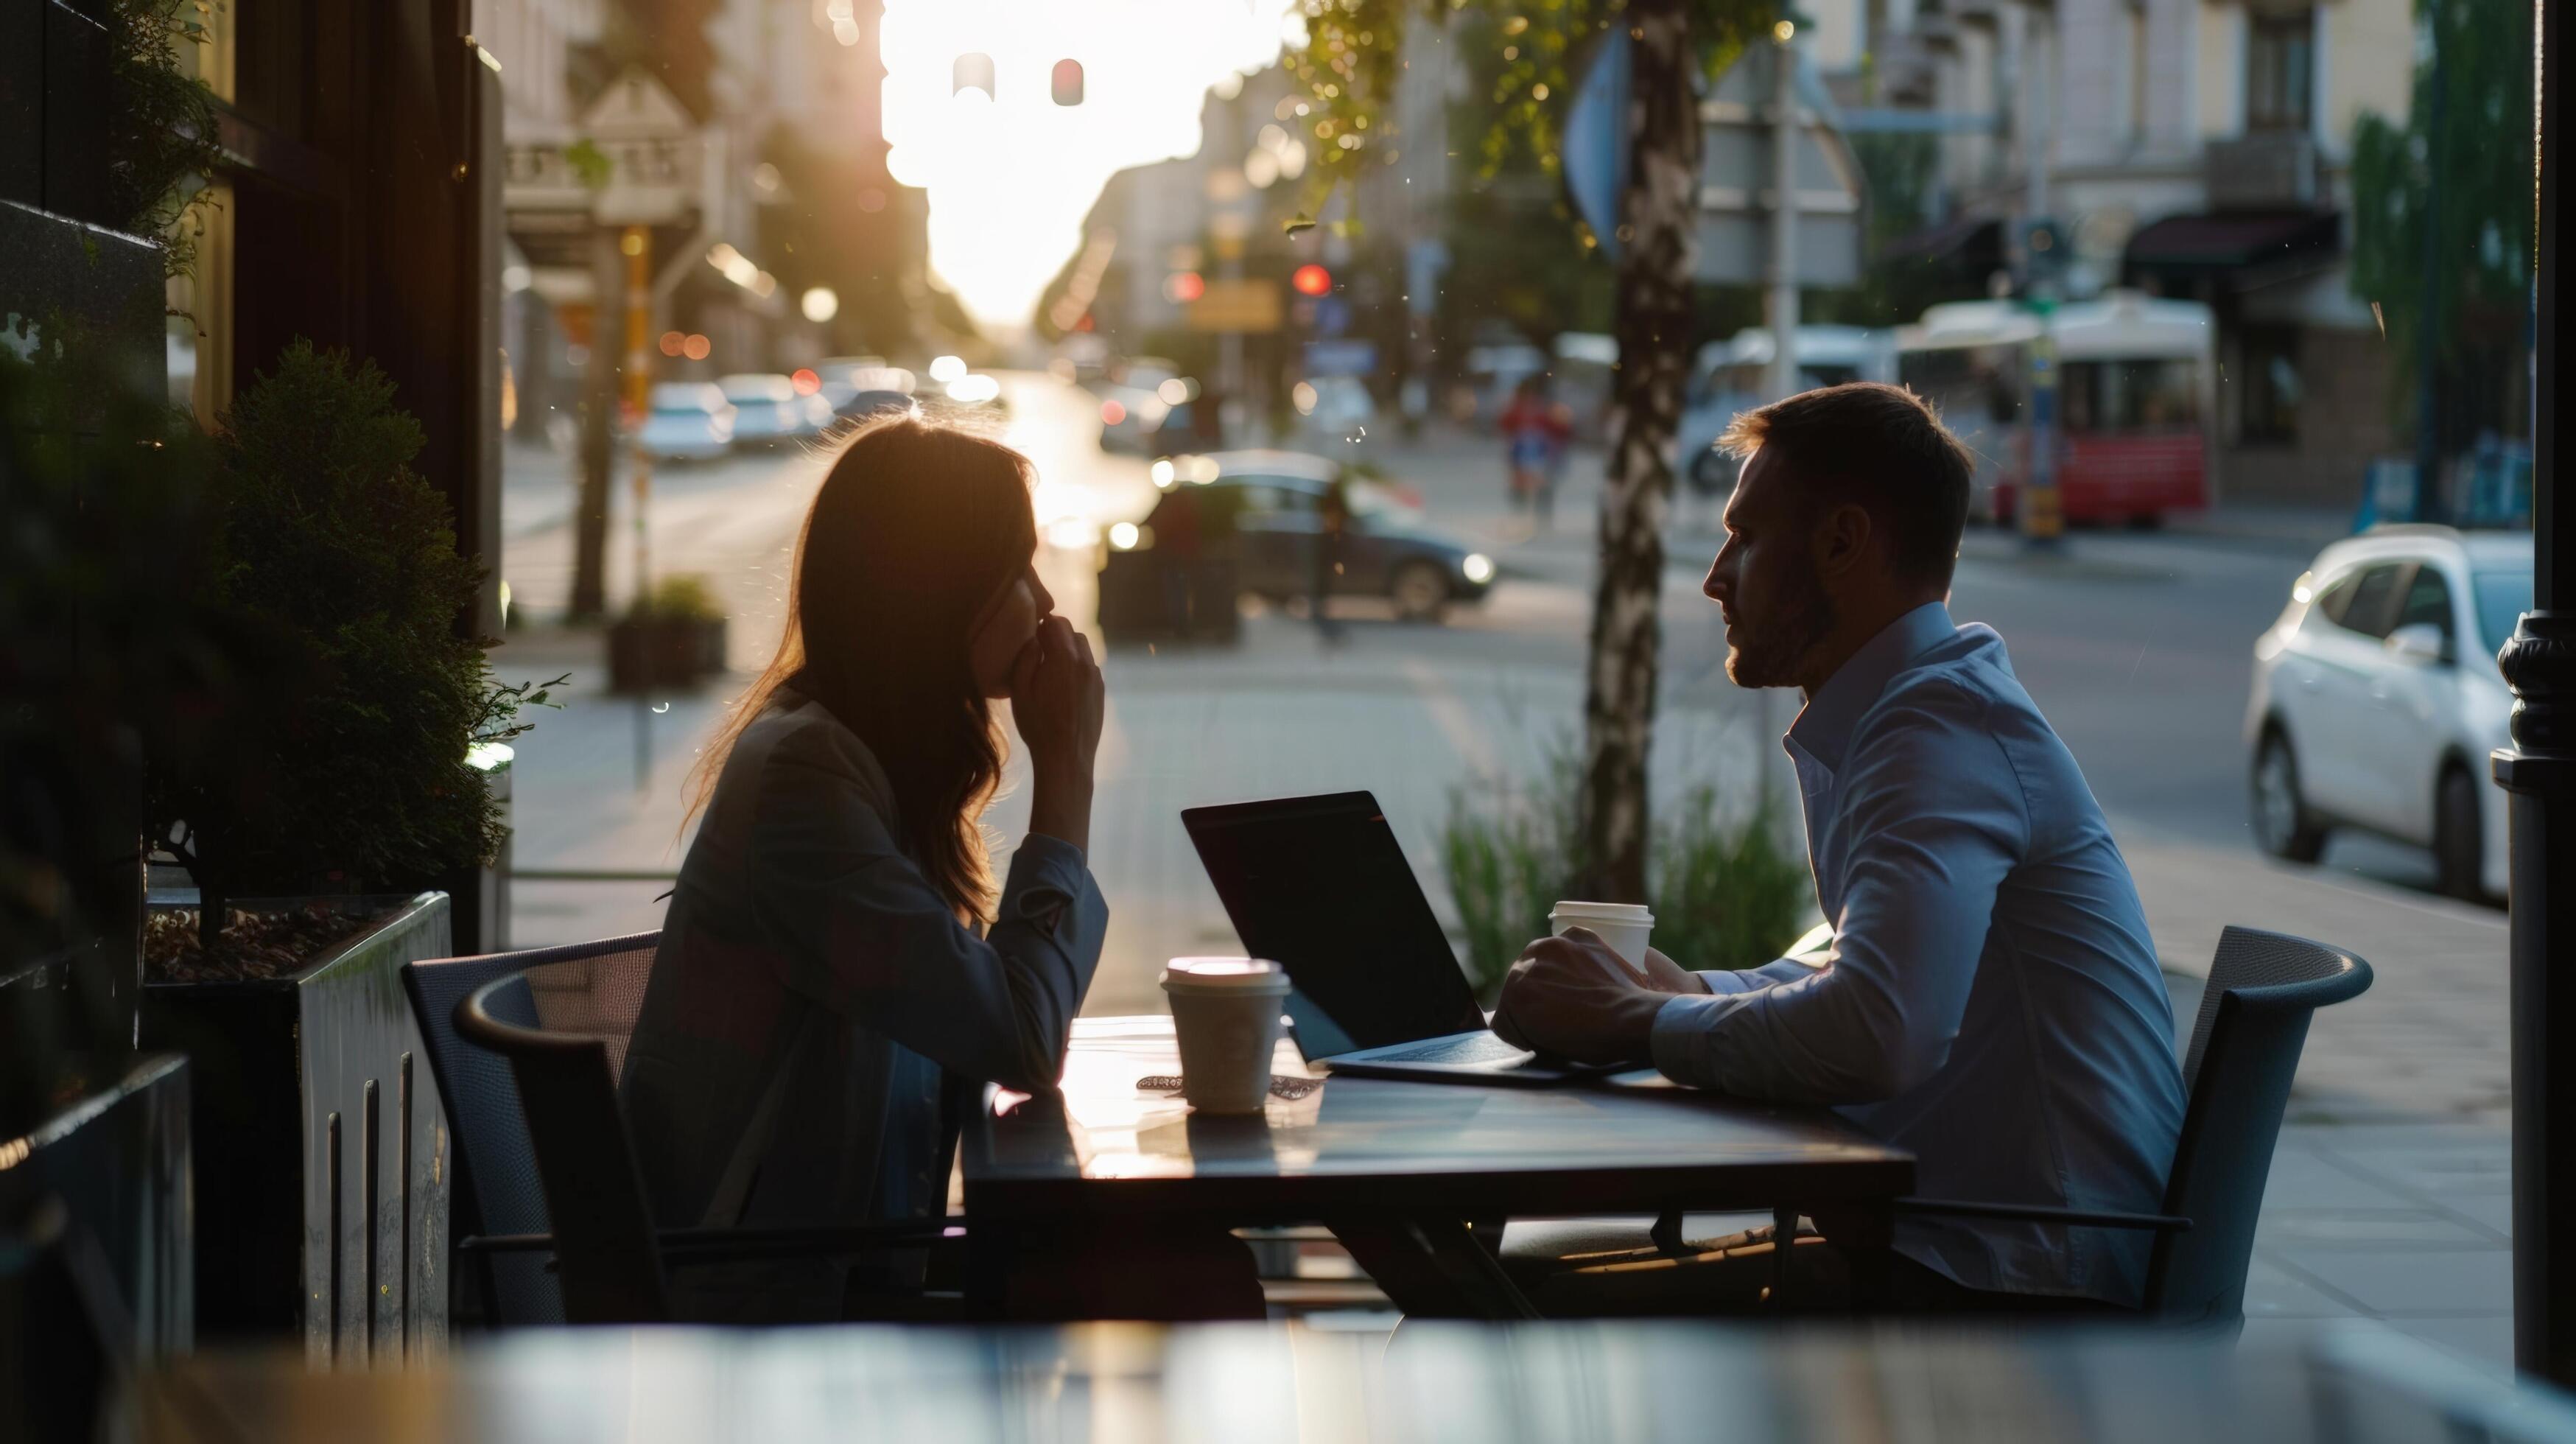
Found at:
<point>2188,148</point>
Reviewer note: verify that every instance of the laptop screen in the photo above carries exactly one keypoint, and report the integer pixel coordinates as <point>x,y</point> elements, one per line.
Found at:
<point>1321,886</point>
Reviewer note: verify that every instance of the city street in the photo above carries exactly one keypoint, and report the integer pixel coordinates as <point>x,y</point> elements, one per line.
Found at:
<point>2137,646</point>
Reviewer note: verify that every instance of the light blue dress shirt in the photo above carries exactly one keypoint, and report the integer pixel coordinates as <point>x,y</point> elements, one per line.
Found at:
<point>1991,1002</point>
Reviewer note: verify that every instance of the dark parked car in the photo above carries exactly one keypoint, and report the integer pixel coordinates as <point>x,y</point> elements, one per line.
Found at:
<point>1265,509</point>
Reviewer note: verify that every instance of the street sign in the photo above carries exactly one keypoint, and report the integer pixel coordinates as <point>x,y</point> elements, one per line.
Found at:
<point>1341,358</point>
<point>1737,187</point>
<point>1236,305</point>
<point>1735,168</point>
<point>1595,147</point>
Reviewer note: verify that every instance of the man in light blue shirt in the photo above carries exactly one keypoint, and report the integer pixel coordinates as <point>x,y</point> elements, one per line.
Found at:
<point>1991,1000</point>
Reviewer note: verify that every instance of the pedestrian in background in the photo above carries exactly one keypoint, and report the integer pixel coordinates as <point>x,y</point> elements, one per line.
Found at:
<point>1535,430</point>
<point>1332,525</point>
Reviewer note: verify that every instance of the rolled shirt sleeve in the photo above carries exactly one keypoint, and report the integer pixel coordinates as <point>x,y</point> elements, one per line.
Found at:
<point>1936,820</point>
<point>867,936</point>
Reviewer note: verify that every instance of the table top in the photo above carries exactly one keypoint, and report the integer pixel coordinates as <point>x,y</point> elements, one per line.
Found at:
<point>1109,1149</point>
<point>1257,1383</point>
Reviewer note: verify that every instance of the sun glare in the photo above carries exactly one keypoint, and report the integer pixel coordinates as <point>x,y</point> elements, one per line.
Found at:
<point>1010,176</point>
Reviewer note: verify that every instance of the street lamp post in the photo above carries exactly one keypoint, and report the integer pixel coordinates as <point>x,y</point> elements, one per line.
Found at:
<point>637,246</point>
<point>2539,771</point>
<point>1783,277</point>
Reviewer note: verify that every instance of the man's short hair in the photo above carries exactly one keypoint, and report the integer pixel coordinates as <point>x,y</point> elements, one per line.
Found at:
<point>1881,447</point>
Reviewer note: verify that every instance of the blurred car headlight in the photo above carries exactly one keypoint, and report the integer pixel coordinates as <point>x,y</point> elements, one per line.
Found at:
<point>1478,567</point>
<point>1124,536</point>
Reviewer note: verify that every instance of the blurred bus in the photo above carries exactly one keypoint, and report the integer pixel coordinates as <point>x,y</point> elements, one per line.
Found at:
<point>2136,379</point>
<point>1734,375</point>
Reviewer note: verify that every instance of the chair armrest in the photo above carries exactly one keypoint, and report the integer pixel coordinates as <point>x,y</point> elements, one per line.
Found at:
<point>2035,1213</point>
<point>506,1243</point>
<point>691,1245</point>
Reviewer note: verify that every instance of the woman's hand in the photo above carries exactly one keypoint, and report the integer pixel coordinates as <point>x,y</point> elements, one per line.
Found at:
<point>1056,698</point>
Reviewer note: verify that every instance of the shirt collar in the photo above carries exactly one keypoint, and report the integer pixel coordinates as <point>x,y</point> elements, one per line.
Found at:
<point>1824,726</point>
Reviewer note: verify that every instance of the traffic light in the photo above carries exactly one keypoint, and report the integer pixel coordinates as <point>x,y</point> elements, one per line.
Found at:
<point>973,71</point>
<point>1310,280</point>
<point>1183,287</point>
<point>1065,82</point>
<point>2045,255</point>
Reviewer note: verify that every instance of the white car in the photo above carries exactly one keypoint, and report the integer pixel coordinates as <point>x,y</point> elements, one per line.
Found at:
<point>2377,700</point>
<point>768,410</point>
<point>690,421</point>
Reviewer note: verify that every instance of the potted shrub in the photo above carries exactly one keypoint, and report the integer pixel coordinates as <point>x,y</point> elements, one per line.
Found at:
<point>673,637</point>
<point>309,837</point>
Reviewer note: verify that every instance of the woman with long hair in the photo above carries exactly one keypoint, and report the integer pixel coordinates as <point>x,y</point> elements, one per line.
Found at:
<point>839,974</point>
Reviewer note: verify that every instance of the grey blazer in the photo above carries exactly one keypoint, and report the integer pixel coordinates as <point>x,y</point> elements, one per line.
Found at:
<point>802,938</point>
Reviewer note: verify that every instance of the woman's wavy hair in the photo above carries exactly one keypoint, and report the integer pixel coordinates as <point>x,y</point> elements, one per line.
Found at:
<point>917,526</point>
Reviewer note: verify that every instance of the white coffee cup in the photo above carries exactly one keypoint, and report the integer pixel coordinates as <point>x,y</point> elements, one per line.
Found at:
<point>1624,926</point>
<point>1225,1014</point>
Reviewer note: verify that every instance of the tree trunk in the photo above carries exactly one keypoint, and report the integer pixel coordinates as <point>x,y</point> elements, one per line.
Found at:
<point>1658,252</point>
<point>598,433</point>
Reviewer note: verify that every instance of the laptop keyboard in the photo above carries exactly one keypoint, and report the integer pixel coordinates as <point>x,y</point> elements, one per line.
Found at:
<point>1462,1048</point>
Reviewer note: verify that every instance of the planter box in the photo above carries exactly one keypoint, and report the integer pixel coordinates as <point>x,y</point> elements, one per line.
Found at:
<point>116,1160</point>
<point>652,652</point>
<point>321,1144</point>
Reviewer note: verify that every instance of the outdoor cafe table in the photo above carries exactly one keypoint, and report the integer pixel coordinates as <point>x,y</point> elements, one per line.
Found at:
<point>1606,1383</point>
<point>1408,1174</point>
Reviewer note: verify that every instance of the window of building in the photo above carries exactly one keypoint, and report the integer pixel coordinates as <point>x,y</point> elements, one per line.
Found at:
<point>2137,73</point>
<point>2280,70</point>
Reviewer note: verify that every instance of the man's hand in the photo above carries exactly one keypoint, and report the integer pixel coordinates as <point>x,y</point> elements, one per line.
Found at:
<point>1575,997</point>
<point>1666,976</point>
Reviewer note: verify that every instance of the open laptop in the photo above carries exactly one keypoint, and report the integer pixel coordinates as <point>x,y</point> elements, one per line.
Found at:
<point>1321,886</point>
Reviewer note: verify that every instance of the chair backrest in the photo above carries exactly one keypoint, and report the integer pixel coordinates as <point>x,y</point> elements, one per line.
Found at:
<point>587,989</point>
<point>2244,1052</point>
<point>605,1252</point>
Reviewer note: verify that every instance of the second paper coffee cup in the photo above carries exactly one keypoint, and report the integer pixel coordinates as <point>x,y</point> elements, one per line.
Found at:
<point>1624,926</point>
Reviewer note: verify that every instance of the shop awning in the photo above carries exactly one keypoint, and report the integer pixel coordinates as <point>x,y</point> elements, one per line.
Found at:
<point>2228,242</point>
<point>1973,244</point>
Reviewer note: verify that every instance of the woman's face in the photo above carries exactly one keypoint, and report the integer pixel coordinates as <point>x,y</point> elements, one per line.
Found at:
<point>1005,626</point>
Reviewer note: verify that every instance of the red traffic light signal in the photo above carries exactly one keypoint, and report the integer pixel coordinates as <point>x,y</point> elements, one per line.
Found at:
<point>1065,82</point>
<point>1184,286</point>
<point>1310,280</point>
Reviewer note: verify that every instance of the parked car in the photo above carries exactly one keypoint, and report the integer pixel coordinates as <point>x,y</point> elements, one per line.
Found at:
<point>768,410</point>
<point>1334,408</point>
<point>689,421</point>
<point>1133,404</point>
<point>2376,698</point>
<point>838,375</point>
<point>855,390</point>
<point>1269,504</point>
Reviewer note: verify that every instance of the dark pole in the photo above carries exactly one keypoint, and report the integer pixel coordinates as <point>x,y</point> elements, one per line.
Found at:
<point>2539,770</point>
<point>2430,503</point>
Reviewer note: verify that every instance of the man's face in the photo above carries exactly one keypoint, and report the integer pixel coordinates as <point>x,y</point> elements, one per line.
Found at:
<point>1765,579</point>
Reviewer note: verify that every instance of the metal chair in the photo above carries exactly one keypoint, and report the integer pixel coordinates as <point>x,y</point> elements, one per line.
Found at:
<point>593,989</point>
<point>611,1260</point>
<point>2245,1045</point>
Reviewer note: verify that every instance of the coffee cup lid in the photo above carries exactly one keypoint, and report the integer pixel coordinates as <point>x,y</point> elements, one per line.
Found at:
<point>1211,975</point>
<point>1604,912</point>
